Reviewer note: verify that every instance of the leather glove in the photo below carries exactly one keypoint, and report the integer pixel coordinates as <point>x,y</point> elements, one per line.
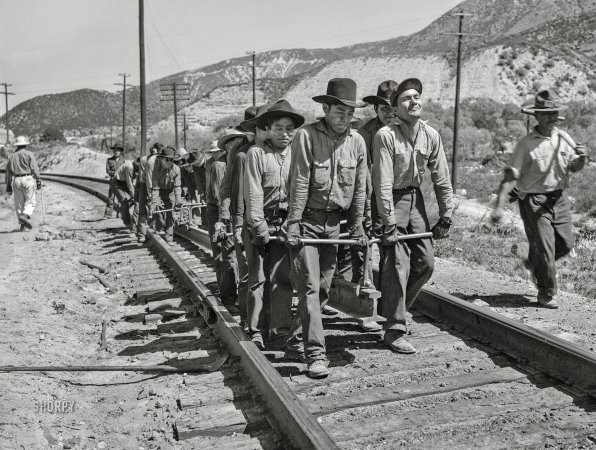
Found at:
<point>513,195</point>
<point>360,237</point>
<point>441,229</point>
<point>9,189</point>
<point>238,236</point>
<point>261,238</point>
<point>390,235</point>
<point>219,235</point>
<point>293,236</point>
<point>39,185</point>
<point>581,150</point>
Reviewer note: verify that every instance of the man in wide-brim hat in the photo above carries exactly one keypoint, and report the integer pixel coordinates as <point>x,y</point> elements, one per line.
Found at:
<point>402,152</point>
<point>232,201</point>
<point>112,164</point>
<point>22,178</point>
<point>540,167</point>
<point>328,176</point>
<point>266,179</point>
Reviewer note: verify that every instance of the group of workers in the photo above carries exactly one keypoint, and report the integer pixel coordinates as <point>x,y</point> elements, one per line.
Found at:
<point>276,191</point>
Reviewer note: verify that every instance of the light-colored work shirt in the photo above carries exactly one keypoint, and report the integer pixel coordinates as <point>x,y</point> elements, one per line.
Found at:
<point>266,183</point>
<point>231,193</point>
<point>399,163</point>
<point>151,161</point>
<point>21,162</point>
<point>542,164</point>
<point>163,178</point>
<point>327,173</point>
<point>142,169</point>
<point>217,171</point>
<point>125,173</point>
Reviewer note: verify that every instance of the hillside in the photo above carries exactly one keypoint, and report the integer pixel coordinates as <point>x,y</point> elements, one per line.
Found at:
<point>524,44</point>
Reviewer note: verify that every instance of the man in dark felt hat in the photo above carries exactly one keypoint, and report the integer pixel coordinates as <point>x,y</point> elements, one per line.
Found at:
<point>266,188</point>
<point>112,164</point>
<point>232,205</point>
<point>402,152</point>
<point>540,167</point>
<point>385,116</point>
<point>166,185</point>
<point>328,176</point>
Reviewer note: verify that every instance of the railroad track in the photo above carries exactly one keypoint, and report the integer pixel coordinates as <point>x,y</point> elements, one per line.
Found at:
<point>479,380</point>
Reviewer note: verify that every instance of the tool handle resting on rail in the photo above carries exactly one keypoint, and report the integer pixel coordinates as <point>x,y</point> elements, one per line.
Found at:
<point>308,241</point>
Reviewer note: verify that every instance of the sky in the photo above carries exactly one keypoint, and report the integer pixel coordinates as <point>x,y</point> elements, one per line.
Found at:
<point>51,46</point>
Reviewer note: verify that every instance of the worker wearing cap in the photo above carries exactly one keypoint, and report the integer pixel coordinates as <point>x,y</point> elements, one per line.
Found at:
<point>402,152</point>
<point>328,176</point>
<point>232,199</point>
<point>540,166</point>
<point>112,164</point>
<point>124,188</point>
<point>224,255</point>
<point>266,188</point>
<point>166,186</point>
<point>22,178</point>
<point>143,190</point>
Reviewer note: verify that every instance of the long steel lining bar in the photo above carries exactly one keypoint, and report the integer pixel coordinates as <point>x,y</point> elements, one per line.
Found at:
<point>300,425</point>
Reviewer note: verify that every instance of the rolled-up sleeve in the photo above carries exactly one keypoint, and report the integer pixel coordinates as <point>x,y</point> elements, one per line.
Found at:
<point>383,151</point>
<point>439,174</point>
<point>356,211</point>
<point>302,158</point>
<point>253,180</point>
<point>516,161</point>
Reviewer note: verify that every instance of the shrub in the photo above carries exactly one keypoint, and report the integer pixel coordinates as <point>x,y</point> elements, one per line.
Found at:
<point>549,64</point>
<point>521,72</point>
<point>52,134</point>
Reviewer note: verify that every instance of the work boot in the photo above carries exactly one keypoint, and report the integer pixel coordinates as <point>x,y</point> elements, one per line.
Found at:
<point>318,368</point>
<point>257,339</point>
<point>548,301</point>
<point>369,326</point>
<point>295,354</point>
<point>140,239</point>
<point>399,344</point>
<point>329,312</point>
<point>24,220</point>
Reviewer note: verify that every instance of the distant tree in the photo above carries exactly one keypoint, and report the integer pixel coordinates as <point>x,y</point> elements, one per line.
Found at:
<point>52,134</point>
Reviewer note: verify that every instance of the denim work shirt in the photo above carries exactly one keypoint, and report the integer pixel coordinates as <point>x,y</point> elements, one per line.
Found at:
<point>266,183</point>
<point>400,163</point>
<point>151,161</point>
<point>19,163</point>
<point>231,194</point>
<point>142,169</point>
<point>217,171</point>
<point>535,167</point>
<point>327,174</point>
<point>163,178</point>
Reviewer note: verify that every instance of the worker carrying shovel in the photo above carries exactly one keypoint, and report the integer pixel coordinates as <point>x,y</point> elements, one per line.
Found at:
<point>22,178</point>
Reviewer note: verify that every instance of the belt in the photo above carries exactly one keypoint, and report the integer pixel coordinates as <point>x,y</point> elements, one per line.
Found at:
<point>337,210</point>
<point>22,175</point>
<point>406,190</point>
<point>275,212</point>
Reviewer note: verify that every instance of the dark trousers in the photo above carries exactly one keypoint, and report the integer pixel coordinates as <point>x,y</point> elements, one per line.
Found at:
<point>242,278</point>
<point>168,198</point>
<point>408,265</point>
<point>224,258</point>
<point>127,206</point>
<point>111,194</point>
<point>312,268</point>
<point>548,225</point>
<point>268,268</point>
<point>143,210</point>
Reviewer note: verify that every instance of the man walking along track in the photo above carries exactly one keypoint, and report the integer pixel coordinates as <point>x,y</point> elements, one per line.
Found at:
<point>22,178</point>
<point>402,152</point>
<point>540,165</point>
<point>328,175</point>
<point>266,186</point>
<point>113,163</point>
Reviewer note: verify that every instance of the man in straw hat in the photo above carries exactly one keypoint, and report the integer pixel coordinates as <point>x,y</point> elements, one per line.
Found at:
<point>222,246</point>
<point>328,176</point>
<point>231,207</point>
<point>166,186</point>
<point>22,178</point>
<point>112,164</point>
<point>266,187</point>
<point>402,151</point>
<point>540,167</point>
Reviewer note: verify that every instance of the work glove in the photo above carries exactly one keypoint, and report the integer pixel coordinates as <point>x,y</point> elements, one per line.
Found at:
<point>513,195</point>
<point>390,235</point>
<point>293,236</point>
<point>261,238</point>
<point>39,185</point>
<point>219,235</point>
<point>581,150</point>
<point>238,236</point>
<point>359,236</point>
<point>441,229</point>
<point>9,189</point>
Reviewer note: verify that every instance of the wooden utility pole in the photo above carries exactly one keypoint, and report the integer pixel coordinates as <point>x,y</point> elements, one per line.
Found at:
<point>124,75</point>
<point>171,91</point>
<point>459,35</point>
<point>186,119</point>
<point>142,87</point>
<point>6,94</point>
<point>254,77</point>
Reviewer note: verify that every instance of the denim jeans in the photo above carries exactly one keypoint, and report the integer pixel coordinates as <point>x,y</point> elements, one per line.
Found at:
<point>242,278</point>
<point>549,228</point>
<point>224,258</point>
<point>127,207</point>
<point>407,265</point>
<point>312,269</point>
<point>111,194</point>
<point>143,210</point>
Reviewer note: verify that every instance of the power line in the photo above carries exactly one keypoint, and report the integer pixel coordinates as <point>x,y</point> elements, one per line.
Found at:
<point>123,84</point>
<point>254,77</point>
<point>170,92</point>
<point>6,94</point>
